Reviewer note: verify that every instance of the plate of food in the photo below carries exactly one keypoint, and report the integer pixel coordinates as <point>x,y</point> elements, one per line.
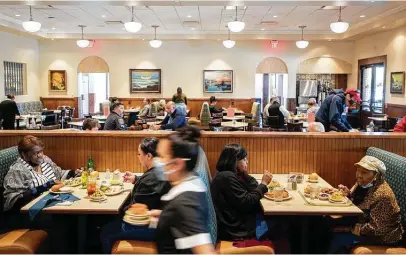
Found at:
<point>337,197</point>
<point>98,196</point>
<point>328,190</point>
<point>314,178</point>
<point>113,190</point>
<point>73,182</point>
<point>60,189</point>
<point>273,184</point>
<point>306,190</point>
<point>138,215</point>
<point>323,196</point>
<point>271,195</point>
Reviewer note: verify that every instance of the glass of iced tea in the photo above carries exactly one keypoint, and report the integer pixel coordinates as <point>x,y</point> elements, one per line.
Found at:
<point>91,186</point>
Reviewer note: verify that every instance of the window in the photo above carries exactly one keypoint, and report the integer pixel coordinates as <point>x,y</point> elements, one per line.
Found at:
<point>372,87</point>
<point>14,78</point>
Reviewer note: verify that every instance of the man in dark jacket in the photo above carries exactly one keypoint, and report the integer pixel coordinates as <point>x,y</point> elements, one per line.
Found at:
<point>8,112</point>
<point>332,108</point>
<point>115,120</point>
<point>175,119</point>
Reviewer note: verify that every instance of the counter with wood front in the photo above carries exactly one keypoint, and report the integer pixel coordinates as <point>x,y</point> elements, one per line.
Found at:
<point>332,155</point>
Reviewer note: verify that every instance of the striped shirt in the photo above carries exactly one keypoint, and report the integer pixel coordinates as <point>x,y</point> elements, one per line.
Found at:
<point>39,179</point>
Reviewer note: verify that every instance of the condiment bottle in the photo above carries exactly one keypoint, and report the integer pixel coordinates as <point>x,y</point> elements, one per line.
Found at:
<point>294,184</point>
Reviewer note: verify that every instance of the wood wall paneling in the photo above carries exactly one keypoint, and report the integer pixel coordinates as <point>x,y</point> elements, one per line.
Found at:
<point>52,103</point>
<point>330,155</point>
<point>395,110</point>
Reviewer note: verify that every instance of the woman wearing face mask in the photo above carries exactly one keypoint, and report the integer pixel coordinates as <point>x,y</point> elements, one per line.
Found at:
<point>380,223</point>
<point>31,175</point>
<point>236,195</point>
<point>148,190</point>
<point>183,222</point>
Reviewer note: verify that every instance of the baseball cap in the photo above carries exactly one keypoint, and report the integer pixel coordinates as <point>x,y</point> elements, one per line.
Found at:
<point>354,93</point>
<point>372,164</point>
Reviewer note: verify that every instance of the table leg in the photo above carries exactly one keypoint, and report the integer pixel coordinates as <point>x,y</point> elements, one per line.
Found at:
<point>81,235</point>
<point>304,235</point>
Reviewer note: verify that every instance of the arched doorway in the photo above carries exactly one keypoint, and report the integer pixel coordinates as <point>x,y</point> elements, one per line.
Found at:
<point>93,84</point>
<point>271,79</point>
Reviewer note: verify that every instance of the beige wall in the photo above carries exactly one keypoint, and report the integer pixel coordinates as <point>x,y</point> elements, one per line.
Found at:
<point>22,50</point>
<point>182,62</point>
<point>392,44</point>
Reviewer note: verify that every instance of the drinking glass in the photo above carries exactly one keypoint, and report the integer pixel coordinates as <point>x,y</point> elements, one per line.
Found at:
<point>91,186</point>
<point>314,191</point>
<point>278,194</point>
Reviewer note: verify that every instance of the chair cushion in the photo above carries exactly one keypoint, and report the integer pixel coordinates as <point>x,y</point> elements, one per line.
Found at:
<point>7,158</point>
<point>22,241</point>
<point>134,247</point>
<point>376,249</point>
<point>395,175</point>
<point>223,247</point>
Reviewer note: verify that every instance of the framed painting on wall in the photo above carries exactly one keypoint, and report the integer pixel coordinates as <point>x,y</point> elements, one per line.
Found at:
<point>145,80</point>
<point>397,82</point>
<point>218,81</point>
<point>57,80</point>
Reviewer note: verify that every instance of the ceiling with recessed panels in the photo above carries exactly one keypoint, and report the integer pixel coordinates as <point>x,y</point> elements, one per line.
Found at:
<point>208,20</point>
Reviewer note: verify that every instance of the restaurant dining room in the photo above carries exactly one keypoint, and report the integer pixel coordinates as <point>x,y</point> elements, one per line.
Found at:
<point>202,127</point>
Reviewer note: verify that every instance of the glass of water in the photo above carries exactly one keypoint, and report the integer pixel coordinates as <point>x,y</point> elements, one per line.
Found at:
<point>278,194</point>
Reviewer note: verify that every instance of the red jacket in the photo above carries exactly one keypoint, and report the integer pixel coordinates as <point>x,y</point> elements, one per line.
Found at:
<point>401,126</point>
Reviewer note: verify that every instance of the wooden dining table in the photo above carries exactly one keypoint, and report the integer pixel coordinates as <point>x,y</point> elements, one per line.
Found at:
<point>299,206</point>
<point>85,207</point>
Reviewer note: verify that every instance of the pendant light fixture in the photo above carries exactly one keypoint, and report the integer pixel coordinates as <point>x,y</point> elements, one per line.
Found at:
<point>132,26</point>
<point>228,43</point>
<point>82,43</point>
<point>302,44</point>
<point>31,25</point>
<point>339,26</point>
<point>236,26</point>
<point>155,43</point>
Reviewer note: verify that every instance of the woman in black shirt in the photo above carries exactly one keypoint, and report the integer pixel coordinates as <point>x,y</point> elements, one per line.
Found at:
<point>183,221</point>
<point>147,190</point>
<point>212,107</point>
<point>236,195</point>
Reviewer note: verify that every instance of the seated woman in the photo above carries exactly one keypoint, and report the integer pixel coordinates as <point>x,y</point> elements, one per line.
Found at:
<point>90,125</point>
<point>236,195</point>
<point>380,223</point>
<point>213,108</point>
<point>146,109</point>
<point>183,225</point>
<point>31,175</point>
<point>148,190</point>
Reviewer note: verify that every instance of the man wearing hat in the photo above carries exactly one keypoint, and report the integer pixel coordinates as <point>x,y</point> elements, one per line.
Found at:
<point>381,222</point>
<point>332,109</point>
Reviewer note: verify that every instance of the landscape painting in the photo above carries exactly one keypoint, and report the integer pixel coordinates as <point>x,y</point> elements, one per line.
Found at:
<point>397,82</point>
<point>145,80</point>
<point>57,80</point>
<point>218,81</point>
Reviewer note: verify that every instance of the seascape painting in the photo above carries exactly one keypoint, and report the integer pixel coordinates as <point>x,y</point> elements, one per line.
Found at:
<point>145,80</point>
<point>218,81</point>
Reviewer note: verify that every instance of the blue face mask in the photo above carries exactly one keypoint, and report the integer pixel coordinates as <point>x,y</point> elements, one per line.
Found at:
<point>159,170</point>
<point>369,185</point>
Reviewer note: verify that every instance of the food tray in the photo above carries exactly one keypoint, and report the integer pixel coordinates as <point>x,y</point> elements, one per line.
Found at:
<point>318,202</point>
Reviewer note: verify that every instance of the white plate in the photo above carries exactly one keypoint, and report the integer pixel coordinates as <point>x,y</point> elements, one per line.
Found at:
<point>344,201</point>
<point>115,191</point>
<point>62,190</point>
<point>136,222</point>
<point>283,199</point>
